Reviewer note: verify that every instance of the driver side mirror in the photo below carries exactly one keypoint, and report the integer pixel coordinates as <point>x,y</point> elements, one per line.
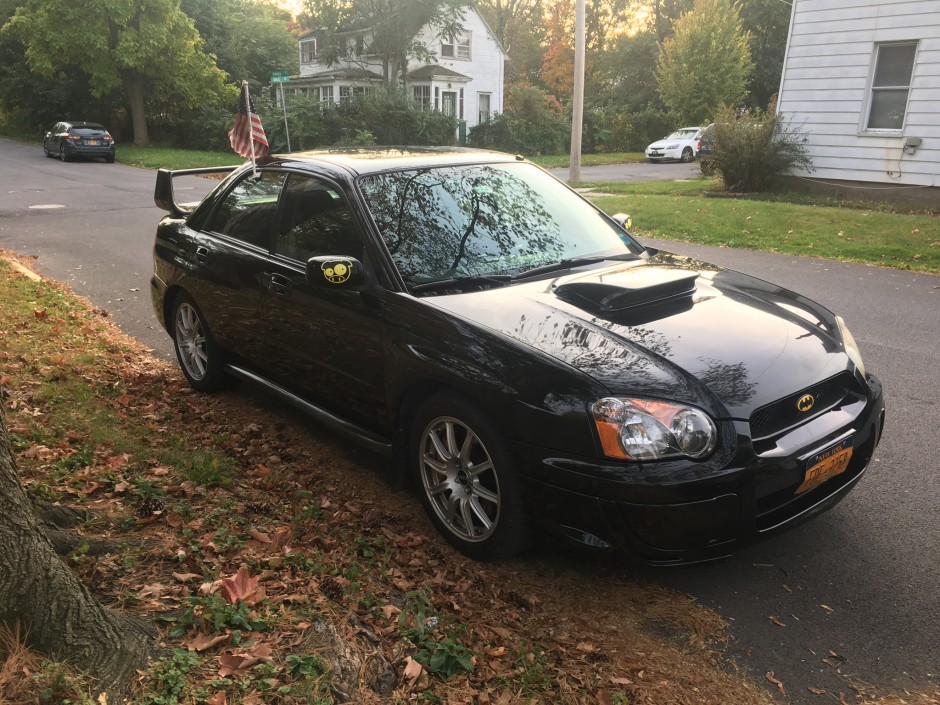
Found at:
<point>623,220</point>
<point>329,271</point>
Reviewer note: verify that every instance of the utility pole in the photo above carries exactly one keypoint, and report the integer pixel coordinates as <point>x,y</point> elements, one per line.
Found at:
<point>577,117</point>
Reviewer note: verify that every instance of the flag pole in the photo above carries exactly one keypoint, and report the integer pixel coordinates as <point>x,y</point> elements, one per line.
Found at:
<point>251,133</point>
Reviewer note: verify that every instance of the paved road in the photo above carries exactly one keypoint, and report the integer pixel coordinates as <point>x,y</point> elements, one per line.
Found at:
<point>92,225</point>
<point>643,171</point>
<point>862,581</point>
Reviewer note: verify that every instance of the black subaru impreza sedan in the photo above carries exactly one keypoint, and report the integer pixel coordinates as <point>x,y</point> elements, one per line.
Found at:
<point>522,360</point>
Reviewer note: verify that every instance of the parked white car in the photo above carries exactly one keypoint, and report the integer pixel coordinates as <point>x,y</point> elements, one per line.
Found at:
<point>682,145</point>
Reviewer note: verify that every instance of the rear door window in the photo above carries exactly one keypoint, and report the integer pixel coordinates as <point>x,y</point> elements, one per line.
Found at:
<point>247,212</point>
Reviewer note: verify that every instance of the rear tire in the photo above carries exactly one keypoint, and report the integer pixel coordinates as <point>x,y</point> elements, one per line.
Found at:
<point>467,479</point>
<point>688,155</point>
<point>62,155</point>
<point>109,159</point>
<point>199,357</point>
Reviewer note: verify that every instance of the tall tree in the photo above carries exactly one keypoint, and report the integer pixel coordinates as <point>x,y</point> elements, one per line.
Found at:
<point>387,29</point>
<point>664,13</point>
<point>768,22</point>
<point>249,39</point>
<point>706,63</point>
<point>629,73</point>
<point>59,615</point>
<point>148,49</point>
<point>519,26</point>
<point>604,19</point>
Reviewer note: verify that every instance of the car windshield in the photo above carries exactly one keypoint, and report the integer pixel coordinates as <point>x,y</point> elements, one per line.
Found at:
<point>682,135</point>
<point>484,220</point>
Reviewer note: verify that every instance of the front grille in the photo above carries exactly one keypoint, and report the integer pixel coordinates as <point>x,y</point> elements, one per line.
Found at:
<point>782,414</point>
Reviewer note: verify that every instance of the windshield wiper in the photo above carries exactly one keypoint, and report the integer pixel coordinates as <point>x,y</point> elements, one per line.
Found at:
<point>461,282</point>
<point>571,263</point>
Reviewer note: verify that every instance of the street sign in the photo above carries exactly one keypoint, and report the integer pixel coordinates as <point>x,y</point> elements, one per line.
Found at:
<point>279,77</point>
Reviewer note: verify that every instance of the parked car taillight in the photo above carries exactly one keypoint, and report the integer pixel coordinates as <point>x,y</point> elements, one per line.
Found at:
<point>108,137</point>
<point>73,137</point>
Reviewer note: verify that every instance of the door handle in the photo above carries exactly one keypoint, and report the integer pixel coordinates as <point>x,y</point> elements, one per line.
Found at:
<point>279,286</point>
<point>202,254</point>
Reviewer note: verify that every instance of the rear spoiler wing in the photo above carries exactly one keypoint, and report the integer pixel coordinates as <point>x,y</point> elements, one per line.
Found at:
<point>163,191</point>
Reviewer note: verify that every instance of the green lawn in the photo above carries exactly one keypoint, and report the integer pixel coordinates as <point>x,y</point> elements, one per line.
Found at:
<point>697,211</point>
<point>560,161</point>
<point>170,158</point>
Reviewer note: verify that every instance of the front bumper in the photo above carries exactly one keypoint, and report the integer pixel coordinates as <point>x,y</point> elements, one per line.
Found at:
<point>702,515</point>
<point>664,154</point>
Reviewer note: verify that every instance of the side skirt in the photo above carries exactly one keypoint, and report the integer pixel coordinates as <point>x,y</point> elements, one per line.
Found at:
<point>372,441</point>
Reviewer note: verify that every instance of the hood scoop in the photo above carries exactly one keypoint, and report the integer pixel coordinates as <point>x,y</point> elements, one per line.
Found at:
<point>628,290</point>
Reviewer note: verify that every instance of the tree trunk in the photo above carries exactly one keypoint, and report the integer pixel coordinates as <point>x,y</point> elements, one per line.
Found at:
<point>134,87</point>
<point>59,614</point>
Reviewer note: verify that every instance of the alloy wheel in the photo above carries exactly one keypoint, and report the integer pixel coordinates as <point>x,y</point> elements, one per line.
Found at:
<point>191,341</point>
<point>459,479</point>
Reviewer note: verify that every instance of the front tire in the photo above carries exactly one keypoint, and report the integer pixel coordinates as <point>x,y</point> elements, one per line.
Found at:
<point>199,356</point>
<point>467,479</point>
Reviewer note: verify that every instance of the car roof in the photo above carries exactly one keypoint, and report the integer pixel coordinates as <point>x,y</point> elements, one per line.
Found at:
<point>372,160</point>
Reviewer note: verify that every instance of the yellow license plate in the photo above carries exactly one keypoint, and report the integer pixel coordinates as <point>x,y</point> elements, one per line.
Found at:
<point>92,142</point>
<point>826,464</point>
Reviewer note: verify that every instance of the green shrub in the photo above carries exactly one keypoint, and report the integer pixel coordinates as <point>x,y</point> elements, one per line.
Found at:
<point>750,151</point>
<point>376,118</point>
<point>534,122</point>
<point>610,129</point>
<point>207,129</point>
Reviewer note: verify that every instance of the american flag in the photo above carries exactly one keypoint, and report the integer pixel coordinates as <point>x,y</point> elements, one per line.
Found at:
<point>247,127</point>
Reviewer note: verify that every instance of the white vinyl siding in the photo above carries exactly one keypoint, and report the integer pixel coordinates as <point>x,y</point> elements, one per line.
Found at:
<point>829,79</point>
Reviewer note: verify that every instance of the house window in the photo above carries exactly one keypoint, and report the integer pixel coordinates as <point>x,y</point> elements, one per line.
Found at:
<point>890,86</point>
<point>326,94</point>
<point>422,96</point>
<point>483,108</point>
<point>345,92</point>
<point>457,48</point>
<point>308,51</point>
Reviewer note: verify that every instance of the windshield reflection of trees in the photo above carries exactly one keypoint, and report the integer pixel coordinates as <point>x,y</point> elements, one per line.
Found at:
<point>442,223</point>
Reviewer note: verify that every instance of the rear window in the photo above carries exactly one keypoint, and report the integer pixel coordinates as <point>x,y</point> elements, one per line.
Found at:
<point>87,128</point>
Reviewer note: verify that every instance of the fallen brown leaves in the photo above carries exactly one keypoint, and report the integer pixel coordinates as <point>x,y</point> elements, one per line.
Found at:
<point>304,534</point>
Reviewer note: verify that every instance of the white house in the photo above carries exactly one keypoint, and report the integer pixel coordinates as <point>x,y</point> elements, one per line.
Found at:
<point>465,81</point>
<point>862,78</point>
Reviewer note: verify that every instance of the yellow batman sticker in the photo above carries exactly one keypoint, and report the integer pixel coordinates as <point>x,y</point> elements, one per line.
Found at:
<point>337,272</point>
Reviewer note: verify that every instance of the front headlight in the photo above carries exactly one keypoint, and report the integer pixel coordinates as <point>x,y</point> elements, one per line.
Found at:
<point>645,429</point>
<point>851,347</point>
